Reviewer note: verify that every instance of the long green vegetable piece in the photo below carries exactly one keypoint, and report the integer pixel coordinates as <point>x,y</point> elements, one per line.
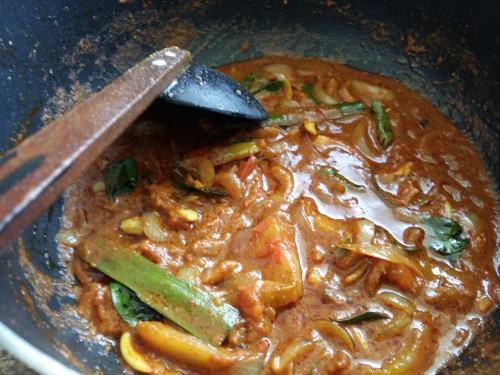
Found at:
<point>195,310</point>
<point>384,126</point>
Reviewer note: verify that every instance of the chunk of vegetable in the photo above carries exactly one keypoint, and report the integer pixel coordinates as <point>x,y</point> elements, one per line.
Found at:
<point>334,329</point>
<point>291,352</point>
<point>384,126</point>
<point>151,224</point>
<point>397,326</point>
<point>201,169</point>
<point>272,251</point>
<point>132,226</point>
<point>412,353</point>
<point>337,229</point>
<point>310,127</point>
<point>185,348</point>
<point>181,178</point>
<point>398,302</point>
<point>134,359</point>
<point>121,177</point>
<point>392,254</point>
<point>319,93</point>
<point>191,216</point>
<point>98,187</point>
<point>193,309</point>
<point>369,91</point>
<point>280,70</point>
<point>250,366</point>
<point>68,237</point>
<point>235,151</point>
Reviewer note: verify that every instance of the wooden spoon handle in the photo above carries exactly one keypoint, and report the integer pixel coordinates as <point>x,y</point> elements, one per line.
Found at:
<point>36,172</point>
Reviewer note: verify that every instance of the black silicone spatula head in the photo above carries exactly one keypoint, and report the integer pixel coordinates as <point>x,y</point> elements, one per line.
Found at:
<point>209,89</point>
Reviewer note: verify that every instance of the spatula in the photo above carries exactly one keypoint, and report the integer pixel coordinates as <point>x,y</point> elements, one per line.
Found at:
<point>209,89</point>
<point>36,172</point>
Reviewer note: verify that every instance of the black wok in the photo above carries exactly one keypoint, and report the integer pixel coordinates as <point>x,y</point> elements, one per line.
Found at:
<point>55,52</point>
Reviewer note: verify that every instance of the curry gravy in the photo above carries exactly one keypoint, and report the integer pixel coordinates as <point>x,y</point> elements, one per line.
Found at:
<point>346,247</point>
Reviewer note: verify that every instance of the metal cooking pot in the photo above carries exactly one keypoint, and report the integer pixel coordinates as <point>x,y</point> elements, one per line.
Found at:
<point>55,52</point>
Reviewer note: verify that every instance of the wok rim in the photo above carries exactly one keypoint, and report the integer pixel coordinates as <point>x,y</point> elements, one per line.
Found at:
<point>30,355</point>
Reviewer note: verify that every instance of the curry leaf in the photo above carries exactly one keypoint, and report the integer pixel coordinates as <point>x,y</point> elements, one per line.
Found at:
<point>121,177</point>
<point>446,237</point>
<point>363,317</point>
<point>129,307</point>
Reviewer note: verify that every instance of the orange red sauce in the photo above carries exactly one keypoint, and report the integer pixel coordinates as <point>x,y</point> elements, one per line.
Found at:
<point>320,223</point>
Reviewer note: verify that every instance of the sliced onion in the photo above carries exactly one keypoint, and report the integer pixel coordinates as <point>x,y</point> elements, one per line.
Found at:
<point>152,228</point>
<point>334,329</point>
<point>190,274</point>
<point>279,69</point>
<point>284,178</point>
<point>99,187</point>
<point>201,168</point>
<point>133,357</point>
<point>391,254</point>
<point>289,103</point>
<point>365,231</point>
<point>320,94</point>
<point>398,302</point>
<point>360,135</point>
<point>397,326</point>
<point>470,220</point>
<point>249,366</point>
<point>291,352</point>
<point>68,237</point>
<point>370,92</point>
<point>229,180</point>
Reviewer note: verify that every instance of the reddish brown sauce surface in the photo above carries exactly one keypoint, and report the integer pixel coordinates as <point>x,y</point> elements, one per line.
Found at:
<point>275,247</point>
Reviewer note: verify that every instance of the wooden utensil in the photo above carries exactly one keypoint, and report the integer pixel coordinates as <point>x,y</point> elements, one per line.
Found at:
<point>36,172</point>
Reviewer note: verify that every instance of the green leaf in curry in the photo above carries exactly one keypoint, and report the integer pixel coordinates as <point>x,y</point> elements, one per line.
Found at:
<point>446,237</point>
<point>362,317</point>
<point>129,307</point>
<point>121,177</point>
